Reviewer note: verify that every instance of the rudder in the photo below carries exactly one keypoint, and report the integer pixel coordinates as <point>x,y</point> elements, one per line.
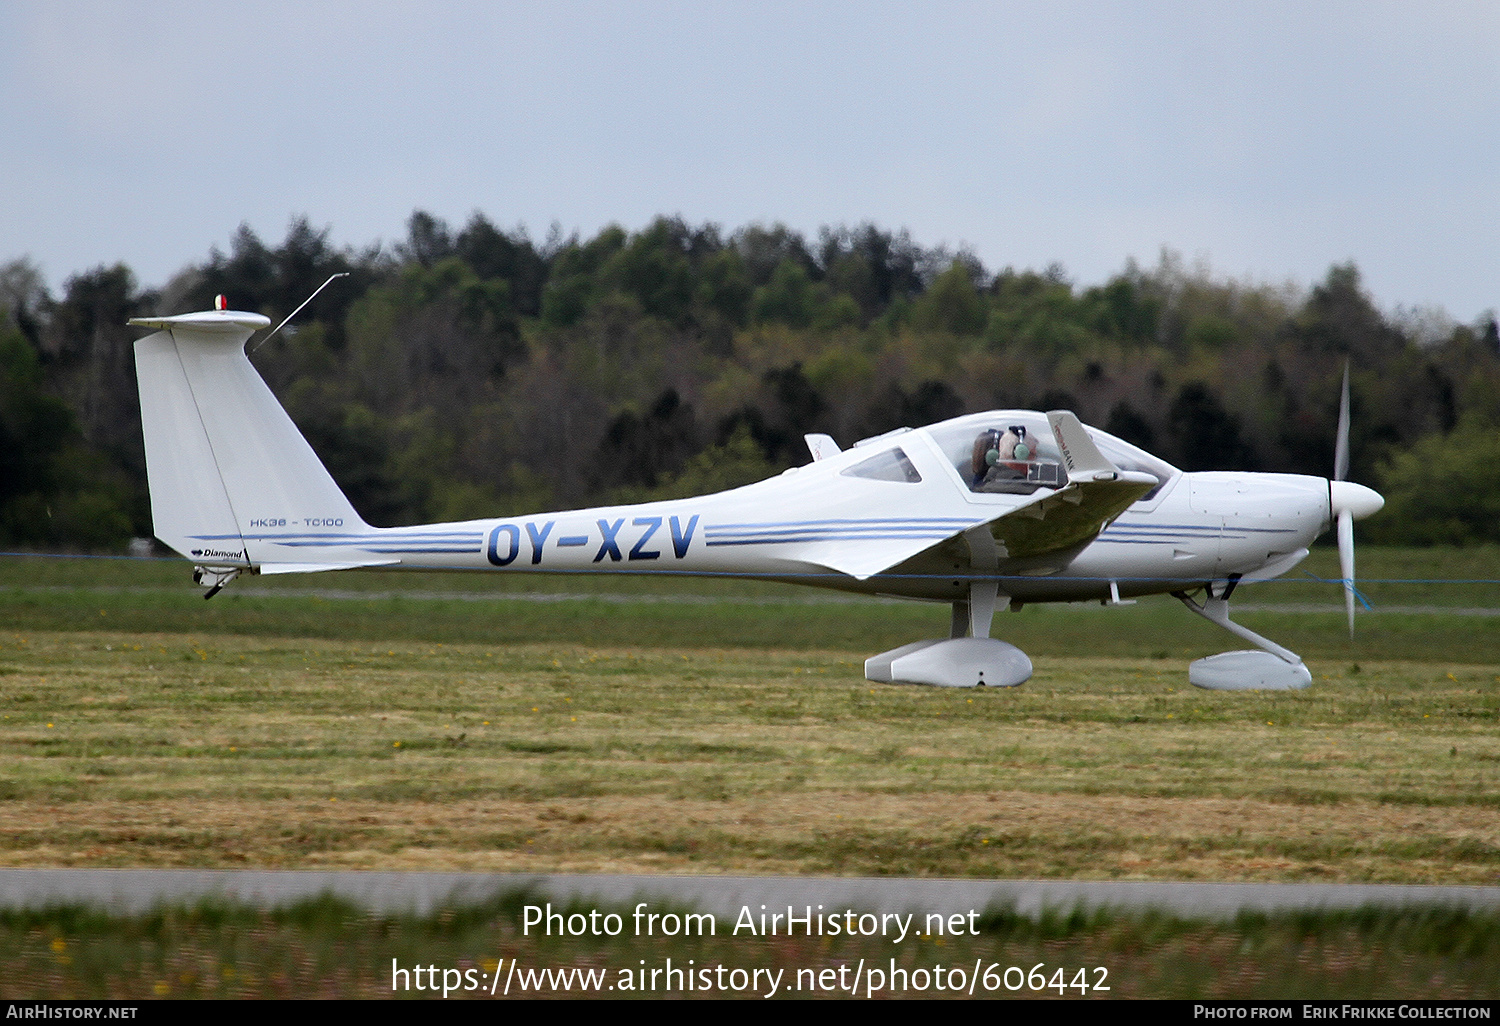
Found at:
<point>233,482</point>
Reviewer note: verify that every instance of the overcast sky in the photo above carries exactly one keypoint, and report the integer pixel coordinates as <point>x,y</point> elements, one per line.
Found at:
<point>1270,139</point>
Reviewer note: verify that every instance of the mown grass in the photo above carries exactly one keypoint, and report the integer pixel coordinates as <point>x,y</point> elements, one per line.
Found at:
<point>141,726</point>
<point>121,749</point>
<point>328,948</point>
<point>725,727</point>
<point>49,594</point>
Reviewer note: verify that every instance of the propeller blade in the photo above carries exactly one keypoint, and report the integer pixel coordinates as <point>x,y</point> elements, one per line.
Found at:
<point>1341,447</point>
<point>1346,563</point>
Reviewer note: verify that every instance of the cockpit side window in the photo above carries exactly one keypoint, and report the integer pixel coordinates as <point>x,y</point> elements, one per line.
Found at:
<point>891,465</point>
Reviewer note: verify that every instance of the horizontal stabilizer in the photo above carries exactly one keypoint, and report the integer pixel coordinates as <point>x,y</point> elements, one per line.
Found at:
<point>225,322</point>
<point>309,556</point>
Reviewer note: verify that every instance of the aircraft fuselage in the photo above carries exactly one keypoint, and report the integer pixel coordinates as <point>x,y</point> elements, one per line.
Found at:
<point>1194,527</point>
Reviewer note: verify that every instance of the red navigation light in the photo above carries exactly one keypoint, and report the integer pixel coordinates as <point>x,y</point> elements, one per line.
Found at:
<point>221,302</point>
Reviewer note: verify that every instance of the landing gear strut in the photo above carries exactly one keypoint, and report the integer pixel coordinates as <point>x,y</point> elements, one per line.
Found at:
<point>969,657</point>
<point>1273,668</point>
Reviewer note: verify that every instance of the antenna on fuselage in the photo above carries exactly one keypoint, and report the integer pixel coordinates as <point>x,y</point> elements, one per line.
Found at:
<point>294,313</point>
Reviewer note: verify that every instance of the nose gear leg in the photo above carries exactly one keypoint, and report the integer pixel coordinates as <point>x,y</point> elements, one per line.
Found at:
<point>1273,668</point>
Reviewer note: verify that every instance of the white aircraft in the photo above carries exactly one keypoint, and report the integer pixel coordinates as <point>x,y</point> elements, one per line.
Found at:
<point>980,511</point>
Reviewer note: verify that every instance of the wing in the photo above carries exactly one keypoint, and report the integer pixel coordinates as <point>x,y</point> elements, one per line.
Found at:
<point>1097,491</point>
<point>1061,521</point>
<point>1068,518</point>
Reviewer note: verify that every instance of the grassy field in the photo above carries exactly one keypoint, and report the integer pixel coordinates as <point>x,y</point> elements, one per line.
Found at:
<point>328,949</point>
<point>450,722</point>
<point>1300,611</point>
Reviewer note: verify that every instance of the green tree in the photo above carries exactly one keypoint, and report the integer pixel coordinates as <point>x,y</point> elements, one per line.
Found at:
<point>1207,435</point>
<point>492,253</point>
<point>764,250</point>
<point>787,298</point>
<point>572,284</point>
<point>737,461</point>
<point>1442,489</point>
<point>953,302</point>
<point>52,490</point>
<point>654,267</point>
<point>34,427</point>
<point>871,266</point>
<point>724,287</point>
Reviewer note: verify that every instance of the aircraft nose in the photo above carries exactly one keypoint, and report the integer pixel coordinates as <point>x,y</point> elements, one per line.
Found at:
<point>1356,499</point>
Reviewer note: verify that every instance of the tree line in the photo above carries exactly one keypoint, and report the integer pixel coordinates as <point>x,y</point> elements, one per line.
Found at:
<point>472,371</point>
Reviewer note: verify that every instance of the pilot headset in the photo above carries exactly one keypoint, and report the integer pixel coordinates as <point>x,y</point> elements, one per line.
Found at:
<point>992,446</point>
<point>1023,449</point>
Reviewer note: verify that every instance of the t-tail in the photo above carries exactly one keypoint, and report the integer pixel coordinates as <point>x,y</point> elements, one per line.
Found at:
<point>234,485</point>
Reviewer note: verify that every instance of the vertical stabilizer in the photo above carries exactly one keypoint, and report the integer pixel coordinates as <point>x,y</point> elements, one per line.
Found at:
<point>233,482</point>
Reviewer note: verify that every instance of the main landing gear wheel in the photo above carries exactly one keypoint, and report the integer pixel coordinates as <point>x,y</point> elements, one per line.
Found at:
<point>968,659</point>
